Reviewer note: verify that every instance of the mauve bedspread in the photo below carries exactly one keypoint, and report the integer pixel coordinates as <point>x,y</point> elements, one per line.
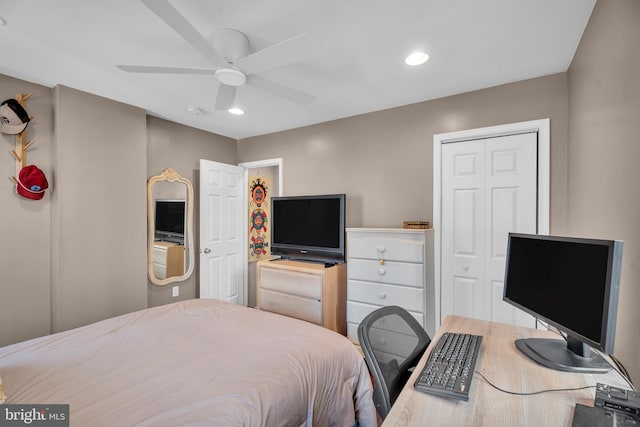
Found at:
<point>196,362</point>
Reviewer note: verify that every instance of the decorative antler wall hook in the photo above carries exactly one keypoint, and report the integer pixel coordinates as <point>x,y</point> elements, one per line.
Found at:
<point>20,152</point>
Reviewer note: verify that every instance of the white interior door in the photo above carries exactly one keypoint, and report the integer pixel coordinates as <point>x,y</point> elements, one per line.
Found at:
<point>222,262</point>
<point>463,198</point>
<point>511,205</point>
<point>489,188</point>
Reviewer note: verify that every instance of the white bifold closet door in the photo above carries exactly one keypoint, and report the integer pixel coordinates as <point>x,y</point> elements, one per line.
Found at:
<point>489,188</point>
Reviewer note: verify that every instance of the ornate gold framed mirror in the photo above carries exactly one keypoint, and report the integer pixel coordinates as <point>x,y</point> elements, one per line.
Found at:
<point>170,249</point>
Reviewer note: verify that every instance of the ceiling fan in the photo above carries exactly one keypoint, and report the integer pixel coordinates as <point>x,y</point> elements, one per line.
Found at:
<point>229,53</point>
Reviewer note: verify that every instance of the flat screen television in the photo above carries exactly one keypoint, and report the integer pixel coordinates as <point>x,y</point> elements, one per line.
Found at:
<point>310,228</point>
<point>572,284</point>
<point>169,220</point>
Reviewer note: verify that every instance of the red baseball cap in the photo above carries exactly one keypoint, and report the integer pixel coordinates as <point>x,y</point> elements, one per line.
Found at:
<point>31,183</point>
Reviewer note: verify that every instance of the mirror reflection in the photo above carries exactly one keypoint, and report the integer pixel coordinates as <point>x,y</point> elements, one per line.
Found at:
<point>170,204</point>
<point>170,232</point>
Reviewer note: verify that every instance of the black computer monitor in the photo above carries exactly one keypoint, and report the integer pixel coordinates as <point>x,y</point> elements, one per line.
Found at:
<point>572,284</point>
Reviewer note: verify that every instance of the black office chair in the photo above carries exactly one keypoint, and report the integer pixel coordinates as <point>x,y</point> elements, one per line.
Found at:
<point>392,341</point>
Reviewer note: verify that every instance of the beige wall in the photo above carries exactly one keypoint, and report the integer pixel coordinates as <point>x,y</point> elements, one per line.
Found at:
<point>25,246</point>
<point>181,147</point>
<point>79,254</point>
<point>383,161</point>
<point>604,150</point>
<point>99,209</point>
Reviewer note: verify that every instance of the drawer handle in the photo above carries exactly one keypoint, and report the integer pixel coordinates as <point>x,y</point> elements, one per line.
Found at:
<point>381,271</point>
<point>465,267</point>
<point>382,295</point>
<point>380,248</point>
<point>382,341</point>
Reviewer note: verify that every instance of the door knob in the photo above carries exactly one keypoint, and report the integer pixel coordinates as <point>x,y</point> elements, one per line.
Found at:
<point>207,250</point>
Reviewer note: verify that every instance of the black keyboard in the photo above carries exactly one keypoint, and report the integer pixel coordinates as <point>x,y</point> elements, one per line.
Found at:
<point>450,367</point>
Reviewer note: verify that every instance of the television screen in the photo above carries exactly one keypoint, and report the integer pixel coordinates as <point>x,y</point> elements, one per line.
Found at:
<point>169,218</point>
<point>308,227</point>
<point>571,283</point>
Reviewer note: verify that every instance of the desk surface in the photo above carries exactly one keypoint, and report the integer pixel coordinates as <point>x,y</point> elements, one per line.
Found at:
<point>507,368</point>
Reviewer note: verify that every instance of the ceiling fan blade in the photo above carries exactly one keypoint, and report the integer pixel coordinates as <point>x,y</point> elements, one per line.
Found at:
<point>276,89</point>
<point>226,97</point>
<point>175,20</point>
<point>286,52</point>
<point>163,70</point>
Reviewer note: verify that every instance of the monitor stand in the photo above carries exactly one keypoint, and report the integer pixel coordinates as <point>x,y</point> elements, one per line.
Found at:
<point>562,356</point>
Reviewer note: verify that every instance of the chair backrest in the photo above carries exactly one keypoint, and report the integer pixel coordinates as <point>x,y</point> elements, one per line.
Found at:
<point>392,341</point>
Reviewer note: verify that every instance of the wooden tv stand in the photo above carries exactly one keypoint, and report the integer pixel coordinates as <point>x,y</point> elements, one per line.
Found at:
<point>304,290</point>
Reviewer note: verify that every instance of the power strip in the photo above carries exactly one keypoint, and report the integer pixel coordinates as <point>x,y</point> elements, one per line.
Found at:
<point>618,399</point>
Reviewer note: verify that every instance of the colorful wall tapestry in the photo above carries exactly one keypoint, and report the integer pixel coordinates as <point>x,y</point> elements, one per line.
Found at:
<point>259,211</point>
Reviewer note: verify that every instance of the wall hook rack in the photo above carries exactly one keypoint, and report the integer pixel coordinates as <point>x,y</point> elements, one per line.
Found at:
<point>20,152</point>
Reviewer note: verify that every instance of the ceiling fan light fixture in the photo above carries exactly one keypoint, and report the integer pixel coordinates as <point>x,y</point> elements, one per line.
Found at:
<point>236,111</point>
<point>416,58</point>
<point>230,76</point>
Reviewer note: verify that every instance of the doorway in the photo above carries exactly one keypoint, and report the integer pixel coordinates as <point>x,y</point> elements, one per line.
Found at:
<point>224,267</point>
<point>271,168</point>
<point>475,208</point>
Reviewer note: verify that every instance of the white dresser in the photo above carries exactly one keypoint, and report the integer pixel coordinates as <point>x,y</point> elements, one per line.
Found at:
<point>390,266</point>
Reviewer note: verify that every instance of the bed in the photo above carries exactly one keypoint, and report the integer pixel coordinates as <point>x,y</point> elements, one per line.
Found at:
<point>195,362</point>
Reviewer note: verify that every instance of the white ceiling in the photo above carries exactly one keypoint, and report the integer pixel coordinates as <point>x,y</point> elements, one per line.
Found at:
<point>354,63</point>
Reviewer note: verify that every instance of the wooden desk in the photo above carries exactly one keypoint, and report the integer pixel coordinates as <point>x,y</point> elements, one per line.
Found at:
<point>506,367</point>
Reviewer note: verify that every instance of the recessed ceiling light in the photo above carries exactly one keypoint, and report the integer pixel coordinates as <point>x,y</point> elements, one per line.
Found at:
<point>236,111</point>
<point>416,58</point>
<point>194,110</point>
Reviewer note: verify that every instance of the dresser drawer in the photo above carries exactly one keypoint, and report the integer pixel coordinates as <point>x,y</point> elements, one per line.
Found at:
<point>291,282</point>
<point>352,332</point>
<point>291,305</point>
<point>356,311</point>
<point>159,255</point>
<point>160,270</point>
<point>411,299</point>
<point>407,274</point>
<point>397,246</point>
